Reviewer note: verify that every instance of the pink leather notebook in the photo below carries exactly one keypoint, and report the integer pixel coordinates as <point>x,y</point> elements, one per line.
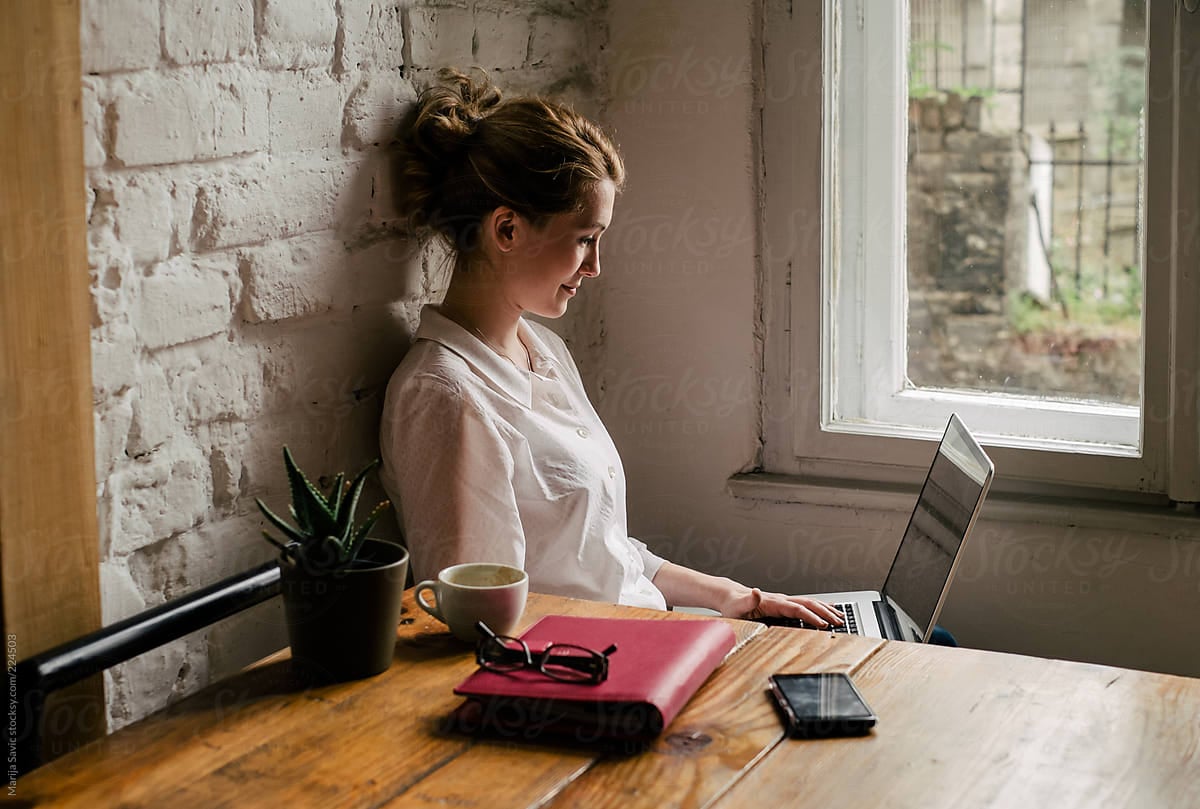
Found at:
<point>657,667</point>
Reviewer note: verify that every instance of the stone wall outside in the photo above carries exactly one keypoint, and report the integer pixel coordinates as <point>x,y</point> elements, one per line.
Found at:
<point>966,238</point>
<point>968,241</point>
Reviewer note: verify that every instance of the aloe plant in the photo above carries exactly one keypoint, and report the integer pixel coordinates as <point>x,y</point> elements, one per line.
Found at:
<point>325,537</point>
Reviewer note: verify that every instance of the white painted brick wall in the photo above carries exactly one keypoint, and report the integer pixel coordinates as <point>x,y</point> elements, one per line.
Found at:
<point>119,35</point>
<point>290,278</point>
<point>159,496</point>
<point>374,107</point>
<point>93,126</point>
<point>156,677</point>
<point>115,360</point>
<point>286,197</point>
<point>319,100</point>
<point>297,33</point>
<point>200,31</point>
<point>114,281</point>
<point>369,200</point>
<point>214,381</point>
<point>248,287</point>
<point>556,41</point>
<point>113,420</point>
<point>122,598</point>
<point>501,38</point>
<point>441,36</point>
<point>185,299</point>
<point>153,418</point>
<point>372,36</point>
<point>227,441</point>
<point>190,114</point>
<point>141,213</point>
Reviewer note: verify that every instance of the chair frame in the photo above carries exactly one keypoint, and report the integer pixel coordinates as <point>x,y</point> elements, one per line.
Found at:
<point>38,676</point>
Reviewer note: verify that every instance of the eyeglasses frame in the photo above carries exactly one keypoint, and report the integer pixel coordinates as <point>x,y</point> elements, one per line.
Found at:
<point>594,665</point>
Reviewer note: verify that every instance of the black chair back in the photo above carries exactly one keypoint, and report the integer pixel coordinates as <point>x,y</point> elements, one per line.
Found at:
<point>38,676</point>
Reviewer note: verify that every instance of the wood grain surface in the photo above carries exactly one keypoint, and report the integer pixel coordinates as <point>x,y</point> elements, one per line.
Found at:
<point>957,728</point>
<point>363,743</point>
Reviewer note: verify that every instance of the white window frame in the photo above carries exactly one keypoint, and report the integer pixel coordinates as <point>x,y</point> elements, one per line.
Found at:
<point>805,433</point>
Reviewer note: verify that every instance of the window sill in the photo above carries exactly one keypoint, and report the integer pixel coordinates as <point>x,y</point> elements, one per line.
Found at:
<point>1092,509</point>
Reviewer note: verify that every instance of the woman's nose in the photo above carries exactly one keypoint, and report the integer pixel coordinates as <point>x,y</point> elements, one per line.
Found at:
<point>591,263</point>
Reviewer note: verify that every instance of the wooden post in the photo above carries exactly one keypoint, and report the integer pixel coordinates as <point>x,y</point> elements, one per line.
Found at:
<point>48,536</point>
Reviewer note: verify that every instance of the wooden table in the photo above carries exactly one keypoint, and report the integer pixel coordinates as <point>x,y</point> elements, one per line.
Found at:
<point>957,728</point>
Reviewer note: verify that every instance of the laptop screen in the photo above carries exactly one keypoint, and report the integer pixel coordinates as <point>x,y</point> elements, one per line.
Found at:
<point>957,481</point>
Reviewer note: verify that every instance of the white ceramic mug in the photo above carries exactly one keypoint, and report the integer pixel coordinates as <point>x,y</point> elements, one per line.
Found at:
<point>477,591</point>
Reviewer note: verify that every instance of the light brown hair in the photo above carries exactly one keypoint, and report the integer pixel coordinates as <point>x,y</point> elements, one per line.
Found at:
<point>466,150</point>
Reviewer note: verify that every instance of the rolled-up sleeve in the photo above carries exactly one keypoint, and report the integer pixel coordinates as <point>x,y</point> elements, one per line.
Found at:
<point>650,561</point>
<point>449,472</point>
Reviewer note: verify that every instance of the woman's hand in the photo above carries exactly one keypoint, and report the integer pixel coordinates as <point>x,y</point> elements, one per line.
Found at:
<point>684,587</point>
<point>754,603</point>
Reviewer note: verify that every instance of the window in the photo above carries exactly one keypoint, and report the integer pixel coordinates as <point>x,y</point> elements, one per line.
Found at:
<point>1001,230</point>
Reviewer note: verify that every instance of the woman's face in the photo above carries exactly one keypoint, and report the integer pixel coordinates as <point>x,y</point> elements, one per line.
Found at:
<point>550,263</point>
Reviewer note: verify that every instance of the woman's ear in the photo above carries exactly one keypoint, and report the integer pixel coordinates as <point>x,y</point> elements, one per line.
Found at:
<point>504,227</point>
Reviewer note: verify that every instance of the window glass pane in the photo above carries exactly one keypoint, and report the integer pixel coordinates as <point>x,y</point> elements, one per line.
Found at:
<point>1024,197</point>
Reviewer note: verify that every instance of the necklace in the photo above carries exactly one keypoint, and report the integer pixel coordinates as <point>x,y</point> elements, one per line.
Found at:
<point>452,314</point>
<point>505,354</point>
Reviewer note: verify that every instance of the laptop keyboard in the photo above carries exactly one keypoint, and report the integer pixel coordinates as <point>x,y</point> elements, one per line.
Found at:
<point>850,627</point>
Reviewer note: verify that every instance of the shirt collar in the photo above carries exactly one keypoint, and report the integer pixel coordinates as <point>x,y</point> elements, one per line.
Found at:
<point>496,370</point>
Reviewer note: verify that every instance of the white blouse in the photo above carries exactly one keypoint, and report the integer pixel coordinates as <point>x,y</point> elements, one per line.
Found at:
<point>487,462</point>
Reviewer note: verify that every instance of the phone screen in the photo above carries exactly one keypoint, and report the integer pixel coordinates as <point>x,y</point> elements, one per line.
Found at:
<point>825,704</point>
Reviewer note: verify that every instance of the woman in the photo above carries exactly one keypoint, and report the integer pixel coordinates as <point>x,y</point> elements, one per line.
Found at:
<point>491,449</point>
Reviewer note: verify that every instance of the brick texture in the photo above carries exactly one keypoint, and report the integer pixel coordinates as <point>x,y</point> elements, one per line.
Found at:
<point>297,33</point>
<point>199,31</point>
<point>442,36</point>
<point>190,114</point>
<point>142,216</point>
<point>118,35</point>
<point>373,36</point>
<point>285,199</point>
<point>316,100</point>
<point>94,152</point>
<point>166,493</point>
<point>375,107</point>
<point>501,38</point>
<point>183,300</point>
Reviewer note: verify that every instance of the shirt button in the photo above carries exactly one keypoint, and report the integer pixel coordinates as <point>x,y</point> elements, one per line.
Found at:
<point>583,432</point>
<point>612,471</point>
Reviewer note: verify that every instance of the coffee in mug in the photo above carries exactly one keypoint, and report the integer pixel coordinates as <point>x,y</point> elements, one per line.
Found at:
<point>476,591</point>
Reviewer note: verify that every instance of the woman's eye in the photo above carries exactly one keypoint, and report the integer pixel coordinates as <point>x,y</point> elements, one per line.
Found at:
<point>588,241</point>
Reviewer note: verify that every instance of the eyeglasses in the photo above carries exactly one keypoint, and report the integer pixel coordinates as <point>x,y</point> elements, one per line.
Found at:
<point>565,662</point>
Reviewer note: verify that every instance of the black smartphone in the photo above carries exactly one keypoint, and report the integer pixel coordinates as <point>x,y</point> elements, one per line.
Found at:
<point>821,705</point>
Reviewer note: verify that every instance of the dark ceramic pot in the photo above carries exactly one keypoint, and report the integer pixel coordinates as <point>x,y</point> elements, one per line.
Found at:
<point>342,626</point>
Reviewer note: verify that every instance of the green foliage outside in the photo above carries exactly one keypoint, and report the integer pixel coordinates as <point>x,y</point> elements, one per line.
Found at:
<point>1119,313</point>
<point>919,87</point>
<point>1121,75</point>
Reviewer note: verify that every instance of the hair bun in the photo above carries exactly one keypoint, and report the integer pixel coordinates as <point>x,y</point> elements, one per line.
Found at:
<point>463,152</point>
<point>450,113</point>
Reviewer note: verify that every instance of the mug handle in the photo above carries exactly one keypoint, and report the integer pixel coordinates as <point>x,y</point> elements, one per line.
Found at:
<point>432,609</point>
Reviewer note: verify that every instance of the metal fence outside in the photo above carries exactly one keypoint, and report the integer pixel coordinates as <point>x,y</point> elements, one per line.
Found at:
<point>1089,165</point>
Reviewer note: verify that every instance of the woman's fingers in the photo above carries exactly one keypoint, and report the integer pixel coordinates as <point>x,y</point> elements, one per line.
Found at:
<point>810,610</point>
<point>826,611</point>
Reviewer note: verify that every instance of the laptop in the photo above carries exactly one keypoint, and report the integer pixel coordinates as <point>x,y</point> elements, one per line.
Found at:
<point>907,606</point>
